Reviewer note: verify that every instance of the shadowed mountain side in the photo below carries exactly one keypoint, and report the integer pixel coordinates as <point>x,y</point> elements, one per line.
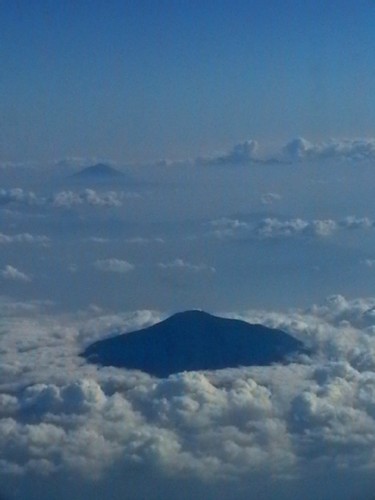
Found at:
<point>98,171</point>
<point>194,340</point>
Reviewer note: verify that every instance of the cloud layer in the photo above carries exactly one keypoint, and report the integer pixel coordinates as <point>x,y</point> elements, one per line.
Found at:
<point>272,227</point>
<point>231,428</point>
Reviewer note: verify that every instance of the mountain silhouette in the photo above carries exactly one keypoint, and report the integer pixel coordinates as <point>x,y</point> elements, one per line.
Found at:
<point>194,340</point>
<point>98,171</point>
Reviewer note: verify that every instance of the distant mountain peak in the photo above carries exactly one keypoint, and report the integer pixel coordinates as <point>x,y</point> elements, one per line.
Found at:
<point>194,340</point>
<point>99,170</point>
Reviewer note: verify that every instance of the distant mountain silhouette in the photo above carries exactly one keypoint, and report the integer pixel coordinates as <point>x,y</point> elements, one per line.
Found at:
<point>194,340</point>
<point>98,171</point>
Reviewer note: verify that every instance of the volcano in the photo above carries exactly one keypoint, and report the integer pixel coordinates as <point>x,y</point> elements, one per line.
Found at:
<point>98,171</point>
<point>194,340</point>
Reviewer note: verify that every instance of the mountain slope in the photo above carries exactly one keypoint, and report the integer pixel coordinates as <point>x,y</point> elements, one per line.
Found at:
<point>194,340</point>
<point>98,171</point>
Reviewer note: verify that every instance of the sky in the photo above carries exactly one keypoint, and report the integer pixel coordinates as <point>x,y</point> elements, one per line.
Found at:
<point>237,152</point>
<point>138,81</point>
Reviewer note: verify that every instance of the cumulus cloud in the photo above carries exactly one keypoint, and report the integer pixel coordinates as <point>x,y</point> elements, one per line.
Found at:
<point>19,196</point>
<point>278,427</point>
<point>352,222</point>
<point>12,273</point>
<point>242,153</point>
<point>346,149</point>
<point>226,227</point>
<point>68,199</point>
<point>273,227</point>
<point>114,265</point>
<point>182,265</point>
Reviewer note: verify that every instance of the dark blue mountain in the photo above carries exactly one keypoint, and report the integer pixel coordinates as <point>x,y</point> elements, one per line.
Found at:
<point>194,340</point>
<point>98,171</point>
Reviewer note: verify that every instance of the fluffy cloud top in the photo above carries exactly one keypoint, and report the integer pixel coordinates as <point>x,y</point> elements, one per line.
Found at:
<point>65,199</point>
<point>275,228</point>
<point>297,150</point>
<point>17,195</point>
<point>272,227</point>
<point>114,265</point>
<point>277,427</point>
<point>349,149</point>
<point>241,153</point>
<point>68,199</point>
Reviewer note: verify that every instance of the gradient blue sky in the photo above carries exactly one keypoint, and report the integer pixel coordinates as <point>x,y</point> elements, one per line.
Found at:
<point>139,80</point>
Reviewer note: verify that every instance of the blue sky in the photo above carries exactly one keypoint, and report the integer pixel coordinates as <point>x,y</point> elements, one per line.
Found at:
<point>135,81</point>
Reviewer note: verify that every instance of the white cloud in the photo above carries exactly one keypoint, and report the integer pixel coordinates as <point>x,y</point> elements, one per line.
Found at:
<point>352,222</point>
<point>182,265</point>
<point>17,195</point>
<point>276,228</point>
<point>12,273</point>
<point>114,265</point>
<point>23,238</point>
<point>270,198</point>
<point>348,149</point>
<point>227,227</point>
<point>242,153</point>
<point>272,227</point>
<point>68,199</point>
<point>271,426</point>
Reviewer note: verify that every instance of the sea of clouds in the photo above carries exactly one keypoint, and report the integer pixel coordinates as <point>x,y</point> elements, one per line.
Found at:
<point>305,429</point>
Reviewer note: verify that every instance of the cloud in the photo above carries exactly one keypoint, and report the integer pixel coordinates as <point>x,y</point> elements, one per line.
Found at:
<point>69,199</point>
<point>226,227</point>
<point>270,198</point>
<point>352,222</point>
<point>23,238</point>
<point>273,228</point>
<point>281,428</point>
<point>65,199</point>
<point>19,196</point>
<point>182,265</point>
<point>12,273</point>
<point>242,153</point>
<point>139,240</point>
<point>300,149</point>
<point>296,150</point>
<point>114,265</point>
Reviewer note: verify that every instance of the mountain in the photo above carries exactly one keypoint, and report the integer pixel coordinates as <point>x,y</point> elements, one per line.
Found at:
<point>98,171</point>
<point>194,340</point>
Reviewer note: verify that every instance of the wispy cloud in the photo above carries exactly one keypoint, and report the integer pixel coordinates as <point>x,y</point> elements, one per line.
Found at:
<point>182,265</point>
<point>12,273</point>
<point>114,265</point>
